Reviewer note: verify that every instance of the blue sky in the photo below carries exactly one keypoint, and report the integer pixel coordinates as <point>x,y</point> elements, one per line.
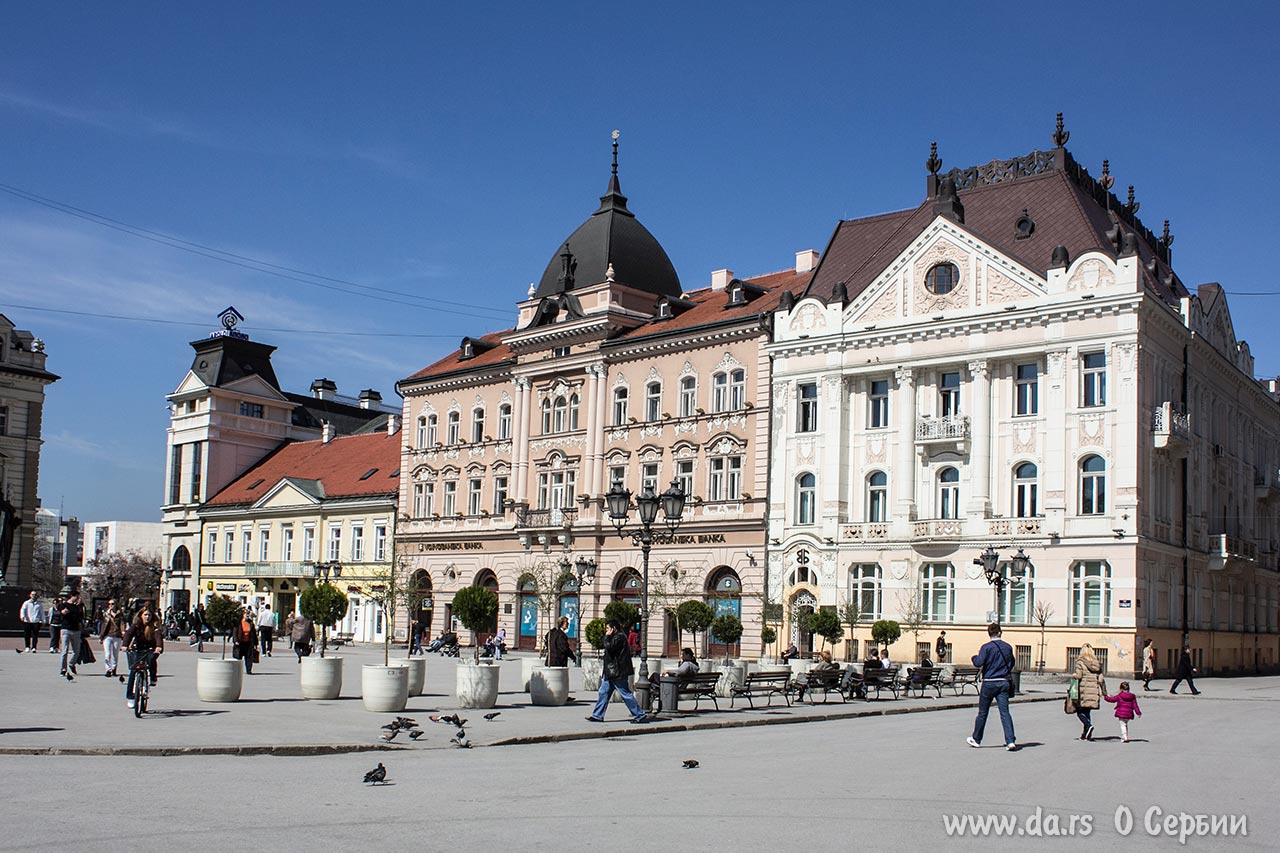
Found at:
<point>445,150</point>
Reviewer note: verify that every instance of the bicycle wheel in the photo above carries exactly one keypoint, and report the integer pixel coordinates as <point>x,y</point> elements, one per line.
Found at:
<point>140,696</point>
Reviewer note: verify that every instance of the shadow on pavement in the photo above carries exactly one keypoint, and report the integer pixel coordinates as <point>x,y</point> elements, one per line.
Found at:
<point>178,712</point>
<point>31,729</point>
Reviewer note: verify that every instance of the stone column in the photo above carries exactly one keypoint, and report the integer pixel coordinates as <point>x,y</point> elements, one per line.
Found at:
<point>591,453</point>
<point>904,460</point>
<point>520,440</point>
<point>980,439</point>
<point>603,409</point>
<point>1057,389</point>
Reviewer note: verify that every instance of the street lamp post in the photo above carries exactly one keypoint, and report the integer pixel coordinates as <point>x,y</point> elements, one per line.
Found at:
<point>995,571</point>
<point>322,571</point>
<point>584,569</point>
<point>618,502</point>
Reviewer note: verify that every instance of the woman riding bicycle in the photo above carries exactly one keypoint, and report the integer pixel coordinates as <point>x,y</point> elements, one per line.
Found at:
<point>143,638</point>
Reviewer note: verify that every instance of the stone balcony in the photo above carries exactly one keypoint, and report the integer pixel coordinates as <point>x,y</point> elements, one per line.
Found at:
<point>279,569</point>
<point>1014,526</point>
<point>947,431</point>
<point>544,519</point>
<point>1266,483</point>
<point>1171,427</point>
<point>1231,552</point>
<point>938,529</point>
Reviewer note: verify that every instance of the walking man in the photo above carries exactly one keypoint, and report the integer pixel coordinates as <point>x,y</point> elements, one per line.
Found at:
<point>54,615</point>
<point>995,659</point>
<point>32,615</point>
<point>617,669</point>
<point>940,648</point>
<point>1184,672</point>
<point>72,613</point>
<point>266,628</point>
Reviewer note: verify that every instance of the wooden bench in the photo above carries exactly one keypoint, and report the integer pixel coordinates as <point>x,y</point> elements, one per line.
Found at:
<point>825,680</point>
<point>923,677</point>
<point>701,686</point>
<point>879,679</point>
<point>963,676</point>
<point>762,684</point>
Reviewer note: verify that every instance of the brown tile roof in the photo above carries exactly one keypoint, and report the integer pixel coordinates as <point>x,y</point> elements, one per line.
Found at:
<point>498,353</point>
<point>339,466</point>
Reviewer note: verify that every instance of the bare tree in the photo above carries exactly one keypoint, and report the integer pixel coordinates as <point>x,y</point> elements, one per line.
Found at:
<point>46,578</point>
<point>124,576</point>
<point>851,615</point>
<point>672,588</point>
<point>911,607</point>
<point>1042,613</point>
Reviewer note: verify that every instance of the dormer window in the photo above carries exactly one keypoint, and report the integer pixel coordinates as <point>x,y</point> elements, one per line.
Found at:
<point>735,294</point>
<point>468,350</point>
<point>664,310</point>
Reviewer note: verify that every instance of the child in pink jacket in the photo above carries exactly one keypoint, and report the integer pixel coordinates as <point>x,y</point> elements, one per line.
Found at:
<point>1126,709</point>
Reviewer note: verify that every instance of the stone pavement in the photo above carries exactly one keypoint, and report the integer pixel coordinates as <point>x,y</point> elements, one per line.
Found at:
<point>41,713</point>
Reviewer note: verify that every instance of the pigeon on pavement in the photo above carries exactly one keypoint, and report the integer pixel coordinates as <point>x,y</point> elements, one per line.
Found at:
<point>392,727</point>
<point>415,734</point>
<point>390,736</point>
<point>376,776</point>
<point>690,763</point>
<point>461,740</point>
<point>491,716</point>
<point>407,722</point>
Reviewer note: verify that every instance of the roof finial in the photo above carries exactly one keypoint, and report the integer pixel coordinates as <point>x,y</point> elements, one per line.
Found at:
<point>615,135</point>
<point>1107,182</point>
<point>609,273</point>
<point>1166,237</point>
<point>1132,205</point>
<point>933,164</point>
<point>532,290</point>
<point>1060,136</point>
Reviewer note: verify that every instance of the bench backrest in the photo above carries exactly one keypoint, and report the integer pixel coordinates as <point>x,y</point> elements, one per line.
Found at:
<point>768,676</point>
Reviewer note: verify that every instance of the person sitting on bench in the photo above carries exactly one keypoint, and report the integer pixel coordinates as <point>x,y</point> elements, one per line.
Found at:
<point>687,669</point>
<point>790,653</point>
<point>872,661</point>
<point>824,664</point>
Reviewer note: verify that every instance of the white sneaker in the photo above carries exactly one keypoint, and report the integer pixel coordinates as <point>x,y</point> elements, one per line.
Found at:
<point>1012,747</point>
<point>128,703</point>
<point>973,743</point>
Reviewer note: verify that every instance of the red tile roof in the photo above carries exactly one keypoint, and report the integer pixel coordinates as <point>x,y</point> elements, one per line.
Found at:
<point>498,353</point>
<point>340,466</point>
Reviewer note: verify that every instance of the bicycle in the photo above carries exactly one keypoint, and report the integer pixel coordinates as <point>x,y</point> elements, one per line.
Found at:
<point>140,674</point>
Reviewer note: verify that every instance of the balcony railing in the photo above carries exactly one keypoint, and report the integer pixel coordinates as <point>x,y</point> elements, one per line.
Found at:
<point>937,528</point>
<point>1266,483</point>
<point>1230,552</point>
<point>552,517</point>
<point>1171,425</point>
<point>947,428</point>
<point>279,569</point>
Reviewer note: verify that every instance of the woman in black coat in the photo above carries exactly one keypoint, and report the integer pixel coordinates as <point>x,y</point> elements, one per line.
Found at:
<point>1183,672</point>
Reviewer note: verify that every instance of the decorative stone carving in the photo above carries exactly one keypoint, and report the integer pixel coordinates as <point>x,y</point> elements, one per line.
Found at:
<point>685,450</point>
<point>1056,363</point>
<point>884,307</point>
<point>1091,274</point>
<point>958,297</point>
<point>619,380</point>
<point>808,319</point>
<point>1001,288</point>
<point>651,430</point>
<point>1092,429</point>
<point>906,377</point>
<point>979,369</point>
<point>1024,439</point>
<point>687,370</point>
<point>1125,355</point>
<point>804,451</point>
<point>876,450</point>
<point>727,362</point>
<point>654,374</point>
<point>726,445</point>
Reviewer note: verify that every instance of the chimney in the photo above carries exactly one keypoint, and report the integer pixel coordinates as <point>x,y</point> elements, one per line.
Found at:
<point>370,399</point>
<point>326,432</point>
<point>324,389</point>
<point>806,260</point>
<point>720,279</point>
<point>393,424</point>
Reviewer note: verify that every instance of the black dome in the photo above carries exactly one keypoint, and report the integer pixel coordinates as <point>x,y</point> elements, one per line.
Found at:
<point>612,235</point>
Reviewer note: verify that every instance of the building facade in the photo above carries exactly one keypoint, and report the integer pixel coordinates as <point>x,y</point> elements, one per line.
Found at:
<point>611,374</point>
<point>1014,363</point>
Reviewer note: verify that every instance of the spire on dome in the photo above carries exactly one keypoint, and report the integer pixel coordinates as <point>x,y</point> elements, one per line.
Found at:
<point>613,199</point>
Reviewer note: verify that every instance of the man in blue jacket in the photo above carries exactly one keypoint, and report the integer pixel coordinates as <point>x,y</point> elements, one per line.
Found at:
<point>995,659</point>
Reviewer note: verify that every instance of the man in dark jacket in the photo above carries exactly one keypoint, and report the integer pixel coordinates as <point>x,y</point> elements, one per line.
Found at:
<point>558,650</point>
<point>72,612</point>
<point>616,675</point>
<point>1183,672</point>
<point>995,659</point>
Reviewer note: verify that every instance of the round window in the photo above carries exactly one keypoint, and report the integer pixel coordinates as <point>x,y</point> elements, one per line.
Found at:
<point>942,278</point>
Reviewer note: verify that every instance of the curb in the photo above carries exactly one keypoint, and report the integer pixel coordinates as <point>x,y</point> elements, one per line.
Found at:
<point>167,751</point>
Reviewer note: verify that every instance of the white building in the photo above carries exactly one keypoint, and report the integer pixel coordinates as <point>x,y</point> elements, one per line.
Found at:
<point>120,537</point>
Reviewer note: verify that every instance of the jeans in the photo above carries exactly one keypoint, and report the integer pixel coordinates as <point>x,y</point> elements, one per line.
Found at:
<point>152,670</point>
<point>999,691</point>
<point>70,649</point>
<point>607,686</point>
<point>55,631</point>
<point>111,653</point>
<point>1085,716</point>
<point>264,638</point>
<point>246,655</point>
<point>31,635</point>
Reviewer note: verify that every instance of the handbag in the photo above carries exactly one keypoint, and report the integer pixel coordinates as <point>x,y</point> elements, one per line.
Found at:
<point>257,655</point>
<point>86,652</point>
<point>1073,692</point>
<point>1069,706</point>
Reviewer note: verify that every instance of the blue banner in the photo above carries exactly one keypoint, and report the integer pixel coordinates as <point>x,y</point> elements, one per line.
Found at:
<point>722,606</point>
<point>569,608</point>
<point>528,617</point>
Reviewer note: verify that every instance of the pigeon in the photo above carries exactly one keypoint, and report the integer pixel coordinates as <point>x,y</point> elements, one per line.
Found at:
<point>392,727</point>
<point>376,776</point>
<point>390,736</point>
<point>690,763</point>
<point>415,734</point>
<point>407,722</point>
<point>436,718</point>
<point>461,740</point>
<point>491,716</point>
<point>451,718</point>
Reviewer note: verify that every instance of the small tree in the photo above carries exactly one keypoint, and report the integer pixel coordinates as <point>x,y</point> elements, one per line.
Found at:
<point>851,614</point>
<point>669,589</point>
<point>771,621</point>
<point>727,628</point>
<point>1042,613</point>
<point>767,636</point>
<point>911,606</point>
<point>826,623</point>
<point>324,604</point>
<point>124,576</point>
<point>625,612</point>
<point>388,591</point>
<point>594,633</point>
<point>222,614</point>
<point>886,632</point>
<point>548,577</point>
<point>475,606</point>
<point>695,616</point>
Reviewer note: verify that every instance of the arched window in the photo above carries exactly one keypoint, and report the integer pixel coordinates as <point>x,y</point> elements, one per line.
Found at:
<point>527,635</point>
<point>1017,600</point>
<point>451,428</point>
<point>724,594</point>
<point>865,588</point>
<point>432,432</point>
<point>420,434</point>
<point>938,592</point>
<point>626,586</point>
<point>719,392</point>
<point>559,415</point>
<point>619,406</point>
<point>806,497</point>
<point>878,496</point>
<point>477,425</point>
<point>737,389</point>
<point>949,493</point>
<point>688,396</point>
<point>504,422</point>
<point>181,562</point>
<point>546,416</point>
<point>573,411</point>
<point>1090,593</point>
<point>1093,485</point>
<point>653,401</point>
<point>1026,502</point>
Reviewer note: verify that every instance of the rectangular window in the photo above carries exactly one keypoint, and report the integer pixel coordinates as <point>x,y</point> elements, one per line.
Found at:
<point>619,406</point>
<point>1023,658</point>
<point>948,395</point>
<point>807,407</point>
<point>451,429</point>
<point>4,420</point>
<point>653,402</point>
<point>719,392</point>
<point>649,478</point>
<point>473,496</point>
<point>357,543</point>
<point>308,544</point>
<point>246,544</point>
<point>499,495</point>
<point>286,542</point>
<point>251,410</point>
<point>450,497</point>
<point>264,544</point>
<point>1093,376</point>
<point>419,500</point>
<point>715,479</point>
<point>733,485</point>
<point>504,422</point>
<point>420,435</point>
<point>878,417</point>
<point>380,543</point>
<point>684,475</point>
<point>618,475</point>
<point>1027,390</point>
<point>229,548</point>
<point>197,464</point>
<point>175,474</point>
<point>738,390</point>
<point>213,545</point>
<point>429,500</point>
<point>477,426</point>
<point>688,396</point>
<point>335,544</point>
<point>432,423</point>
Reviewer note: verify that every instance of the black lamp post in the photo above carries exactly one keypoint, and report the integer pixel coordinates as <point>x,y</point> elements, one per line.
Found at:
<point>322,571</point>
<point>995,571</point>
<point>584,569</point>
<point>618,501</point>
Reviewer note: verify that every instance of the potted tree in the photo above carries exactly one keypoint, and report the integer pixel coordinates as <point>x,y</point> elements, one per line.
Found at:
<point>324,604</point>
<point>387,592</point>
<point>727,628</point>
<point>696,616</point>
<point>219,679</point>
<point>826,624</point>
<point>851,615</point>
<point>886,632</point>
<point>477,685</point>
<point>593,666</point>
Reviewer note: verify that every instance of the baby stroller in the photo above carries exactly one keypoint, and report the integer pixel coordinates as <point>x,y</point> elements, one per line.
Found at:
<point>449,649</point>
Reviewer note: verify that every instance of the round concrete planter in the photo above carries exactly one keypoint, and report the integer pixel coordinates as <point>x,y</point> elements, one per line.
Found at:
<point>799,666</point>
<point>773,667</point>
<point>321,678</point>
<point>527,666</point>
<point>219,680</point>
<point>549,685</point>
<point>731,675</point>
<point>477,685</point>
<point>417,673</point>
<point>384,689</point>
<point>592,670</point>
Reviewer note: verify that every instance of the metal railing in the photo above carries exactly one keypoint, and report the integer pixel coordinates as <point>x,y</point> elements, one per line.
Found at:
<point>948,428</point>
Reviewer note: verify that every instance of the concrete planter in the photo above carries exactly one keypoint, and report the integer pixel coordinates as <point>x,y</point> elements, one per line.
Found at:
<point>731,675</point>
<point>800,666</point>
<point>773,667</point>
<point>477,685</point>
<point>592,670</point>
<point>321,677</point>
<point>417,673</point>
<point>384,689</point>
<point>219,680</point>
<point>549,685</point>
<point>527,666</point>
